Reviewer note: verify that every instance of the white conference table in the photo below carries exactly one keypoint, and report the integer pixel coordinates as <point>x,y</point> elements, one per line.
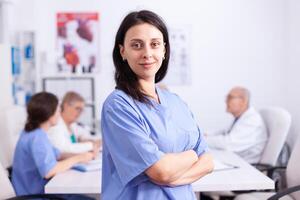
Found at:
<point>244,177</point>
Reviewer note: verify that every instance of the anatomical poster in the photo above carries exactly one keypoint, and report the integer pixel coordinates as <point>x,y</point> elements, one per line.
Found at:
<point>77,42</point>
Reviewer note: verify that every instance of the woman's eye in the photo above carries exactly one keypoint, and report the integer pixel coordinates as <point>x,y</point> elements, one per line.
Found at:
<point>156,44</point>
<point>136,45</point>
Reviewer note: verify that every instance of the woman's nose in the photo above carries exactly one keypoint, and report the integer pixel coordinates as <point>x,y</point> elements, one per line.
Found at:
<point>147,53</point>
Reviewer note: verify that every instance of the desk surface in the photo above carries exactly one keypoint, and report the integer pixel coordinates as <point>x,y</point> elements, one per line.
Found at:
<point>245,177</point>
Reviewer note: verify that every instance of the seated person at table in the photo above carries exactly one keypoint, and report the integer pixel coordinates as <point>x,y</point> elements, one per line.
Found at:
<point>247,134</point>
<point>35,159</point>
<point>67,135</point>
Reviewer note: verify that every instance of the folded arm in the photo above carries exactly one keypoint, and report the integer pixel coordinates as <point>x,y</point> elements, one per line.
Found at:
<point>171,167</point>
<point>203,166</point>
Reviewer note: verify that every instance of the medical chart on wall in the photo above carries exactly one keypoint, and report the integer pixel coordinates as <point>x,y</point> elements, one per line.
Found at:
<point>77,42</point>
<point>179,71</point>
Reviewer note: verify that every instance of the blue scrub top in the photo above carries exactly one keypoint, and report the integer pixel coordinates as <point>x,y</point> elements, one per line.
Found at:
<point>135,136</point>
<point>34,158</point>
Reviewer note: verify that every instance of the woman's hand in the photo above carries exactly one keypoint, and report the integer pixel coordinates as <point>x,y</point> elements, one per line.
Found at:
<point>86,157</point>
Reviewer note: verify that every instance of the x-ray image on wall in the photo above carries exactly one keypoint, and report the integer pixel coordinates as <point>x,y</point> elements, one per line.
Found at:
<point>179,71</point>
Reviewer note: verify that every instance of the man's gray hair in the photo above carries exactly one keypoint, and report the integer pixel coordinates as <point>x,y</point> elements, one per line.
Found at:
<point>245,93</point>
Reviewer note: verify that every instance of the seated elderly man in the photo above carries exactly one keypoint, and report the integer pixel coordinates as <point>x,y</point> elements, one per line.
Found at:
<point>247,134</point>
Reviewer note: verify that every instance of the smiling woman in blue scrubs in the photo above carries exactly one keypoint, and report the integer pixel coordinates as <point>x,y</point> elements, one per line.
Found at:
<point>35,159</point>
<point>152,147</point>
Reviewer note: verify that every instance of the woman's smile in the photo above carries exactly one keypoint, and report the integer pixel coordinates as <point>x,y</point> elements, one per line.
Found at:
<point>147,65</point>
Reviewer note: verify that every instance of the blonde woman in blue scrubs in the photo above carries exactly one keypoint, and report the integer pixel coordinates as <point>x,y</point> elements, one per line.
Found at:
<point>152,147</point>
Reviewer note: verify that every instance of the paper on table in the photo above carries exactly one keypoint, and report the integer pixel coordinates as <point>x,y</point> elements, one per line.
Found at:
<point>92,165</point>
<point>220,165</point>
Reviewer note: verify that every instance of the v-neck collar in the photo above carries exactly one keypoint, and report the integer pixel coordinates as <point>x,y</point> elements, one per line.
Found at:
<point>159,95</point>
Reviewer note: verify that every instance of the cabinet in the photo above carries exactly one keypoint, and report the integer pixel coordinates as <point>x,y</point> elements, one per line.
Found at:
<point>23,67</point>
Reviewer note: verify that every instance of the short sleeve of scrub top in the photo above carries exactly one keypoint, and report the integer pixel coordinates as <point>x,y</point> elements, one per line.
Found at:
<point>201,146</point>
<point>127,139</point>
<point>44,154</point>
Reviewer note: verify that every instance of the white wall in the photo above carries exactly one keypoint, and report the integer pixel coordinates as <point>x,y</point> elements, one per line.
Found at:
<point>292,66</point>
<point>6,90</point>
<point>6,77</point>
<point>233,43</point>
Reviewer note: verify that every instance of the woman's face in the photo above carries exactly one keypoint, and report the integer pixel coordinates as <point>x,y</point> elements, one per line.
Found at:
<point>72,111</point>
<point>144,50</point>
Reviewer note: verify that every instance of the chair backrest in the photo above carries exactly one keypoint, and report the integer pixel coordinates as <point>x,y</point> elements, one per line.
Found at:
<point>292,171</point>
<point>7,190</point>
<point>278,122</point>
<point>12,120</point>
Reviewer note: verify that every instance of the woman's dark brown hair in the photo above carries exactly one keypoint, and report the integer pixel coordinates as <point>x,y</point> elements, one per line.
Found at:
<point>39,109</point>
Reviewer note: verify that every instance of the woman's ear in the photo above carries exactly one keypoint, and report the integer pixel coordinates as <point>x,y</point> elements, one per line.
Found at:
<point>122,51</point>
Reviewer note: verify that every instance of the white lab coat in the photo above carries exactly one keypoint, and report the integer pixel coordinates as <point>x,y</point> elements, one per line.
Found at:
<point>59,136</point>
<point>247,137</point>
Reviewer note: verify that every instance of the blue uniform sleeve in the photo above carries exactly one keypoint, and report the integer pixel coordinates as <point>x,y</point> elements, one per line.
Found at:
<point>201,145</point>
<point>57,152</point>
<point>127,140</point>
<point>43,154</point>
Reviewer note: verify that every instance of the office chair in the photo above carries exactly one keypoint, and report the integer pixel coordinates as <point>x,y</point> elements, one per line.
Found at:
<point>292,178</point>
<point>8,193</point>
<point>278,122</point>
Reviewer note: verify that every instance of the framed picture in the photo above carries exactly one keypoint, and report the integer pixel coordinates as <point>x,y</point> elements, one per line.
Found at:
<point>61,85</point>
<point>87,116</point>
<point>180,58</point>
<point>77,42</point>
